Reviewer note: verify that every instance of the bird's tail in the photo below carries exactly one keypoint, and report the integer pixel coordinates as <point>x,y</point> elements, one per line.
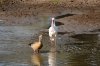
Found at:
<point>29,44</point>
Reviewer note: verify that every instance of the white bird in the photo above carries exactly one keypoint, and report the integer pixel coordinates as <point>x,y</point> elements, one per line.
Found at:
<point>53,30</point>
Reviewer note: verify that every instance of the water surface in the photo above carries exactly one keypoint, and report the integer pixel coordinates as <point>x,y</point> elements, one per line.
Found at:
<point>80,50</point>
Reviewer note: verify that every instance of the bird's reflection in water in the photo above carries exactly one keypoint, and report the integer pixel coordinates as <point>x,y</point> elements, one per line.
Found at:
<point>36,59</point>
<point>54,45</point>
<point>52,57</point>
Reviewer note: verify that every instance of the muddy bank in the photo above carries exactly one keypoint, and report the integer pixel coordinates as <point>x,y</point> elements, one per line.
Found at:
<point>39,13</point>
<point>50,7</point>
<point>47,8</point>
<point>81,23</point>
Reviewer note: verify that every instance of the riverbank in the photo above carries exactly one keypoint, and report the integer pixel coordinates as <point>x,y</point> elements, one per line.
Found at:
<point>38,13</point>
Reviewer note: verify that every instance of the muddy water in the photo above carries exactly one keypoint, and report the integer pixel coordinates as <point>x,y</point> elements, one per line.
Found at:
<point>76,50</point>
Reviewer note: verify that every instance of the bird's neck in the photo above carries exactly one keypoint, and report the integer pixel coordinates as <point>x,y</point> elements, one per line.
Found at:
<point>53,23</point>
<point>40,40</point>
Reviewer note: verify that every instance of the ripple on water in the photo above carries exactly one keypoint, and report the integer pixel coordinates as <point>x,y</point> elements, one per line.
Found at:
<point>6,52</point>
<point>13,64</point>
<point>1,64</point>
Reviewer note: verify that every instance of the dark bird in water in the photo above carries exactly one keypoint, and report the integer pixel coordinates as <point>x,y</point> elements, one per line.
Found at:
<point>36,46</point>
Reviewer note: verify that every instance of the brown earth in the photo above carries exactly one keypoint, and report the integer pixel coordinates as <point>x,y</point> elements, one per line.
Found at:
<point>28,12</point>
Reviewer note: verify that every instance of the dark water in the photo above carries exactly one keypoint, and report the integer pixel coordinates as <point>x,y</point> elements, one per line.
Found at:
<point>76,50</point>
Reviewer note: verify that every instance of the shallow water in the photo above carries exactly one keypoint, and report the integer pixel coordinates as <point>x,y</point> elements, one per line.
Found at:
<point>80,50</point>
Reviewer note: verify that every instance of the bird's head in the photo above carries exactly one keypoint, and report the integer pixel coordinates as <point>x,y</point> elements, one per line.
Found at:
<point>53,18</point>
